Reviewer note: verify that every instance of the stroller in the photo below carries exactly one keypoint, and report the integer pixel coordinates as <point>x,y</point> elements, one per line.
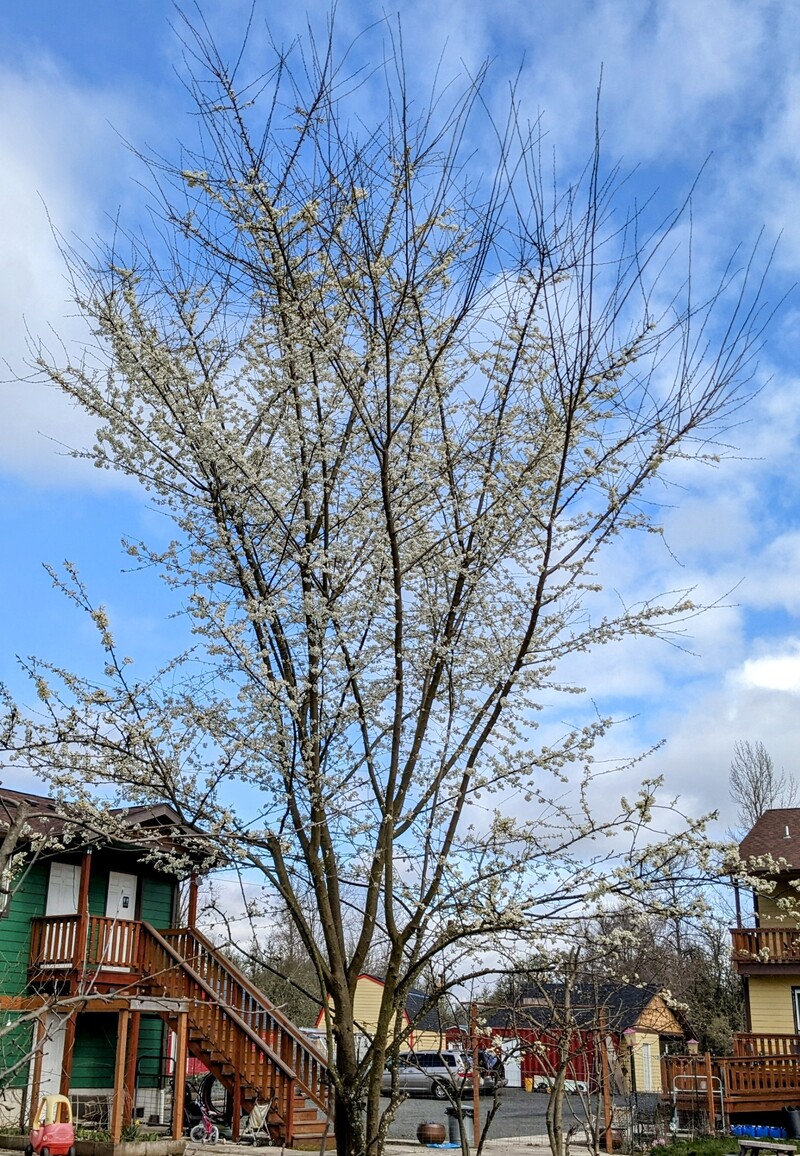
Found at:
<point>255,1126</point>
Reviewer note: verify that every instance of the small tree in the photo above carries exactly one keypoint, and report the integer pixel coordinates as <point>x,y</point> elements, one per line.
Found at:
<point>396,404</point>
<point>755,785</point>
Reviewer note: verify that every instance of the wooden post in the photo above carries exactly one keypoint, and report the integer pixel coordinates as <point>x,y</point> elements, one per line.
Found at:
<point>82,933</point>
<point>69,1049</point>
<point>476,1076</point>
<point>290,1092</point>
<point>130,1069</point>
<point>118,1103</point>
<point>36,1079</point>
<point>191,914</point>
<point>710,1094</point>
<point>179,1083</point>
<point>606,1082</point>
<point>237,1092</point>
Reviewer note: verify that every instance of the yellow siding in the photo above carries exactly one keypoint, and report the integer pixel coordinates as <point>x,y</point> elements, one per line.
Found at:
<point>770,999</point>
<point>644,1046</point>
<point>367,1004</point>
<point>428,1041</point>
<point>366,1009</point>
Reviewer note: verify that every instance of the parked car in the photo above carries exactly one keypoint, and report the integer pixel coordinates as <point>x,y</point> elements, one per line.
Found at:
<point>439,1074</point>
<point>545,1084</point>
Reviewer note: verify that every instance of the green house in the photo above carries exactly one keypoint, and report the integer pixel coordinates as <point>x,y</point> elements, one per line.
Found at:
<point>106,988</point>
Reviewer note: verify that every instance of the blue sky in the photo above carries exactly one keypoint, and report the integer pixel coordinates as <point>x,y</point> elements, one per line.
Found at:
<point>684,83</point>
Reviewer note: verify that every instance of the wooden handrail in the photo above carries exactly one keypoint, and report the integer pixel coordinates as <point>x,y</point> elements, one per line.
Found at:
<point>252,1007</point>
<point>765,944</point>
<point>213,996</point>
<point>109,943</point>
<point>747,1045</point>
<point>241,979</point>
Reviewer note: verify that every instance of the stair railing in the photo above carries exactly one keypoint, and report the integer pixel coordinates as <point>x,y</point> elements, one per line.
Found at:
<point>253,1007</point>
<point>251,1058</point>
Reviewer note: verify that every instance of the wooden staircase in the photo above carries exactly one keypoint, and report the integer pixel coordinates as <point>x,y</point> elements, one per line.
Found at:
<point>245,1042</point>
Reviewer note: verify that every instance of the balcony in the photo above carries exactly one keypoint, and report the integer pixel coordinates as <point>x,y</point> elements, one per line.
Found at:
<point>765,949</point>
<point>102,950</point>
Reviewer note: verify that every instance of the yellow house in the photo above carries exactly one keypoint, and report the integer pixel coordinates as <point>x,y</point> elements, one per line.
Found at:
<point>425,1030</point>
<point>766,941</point>
<point>762,1076</point>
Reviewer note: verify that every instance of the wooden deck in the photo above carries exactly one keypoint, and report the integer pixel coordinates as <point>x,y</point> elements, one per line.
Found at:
<point>763,1075</point>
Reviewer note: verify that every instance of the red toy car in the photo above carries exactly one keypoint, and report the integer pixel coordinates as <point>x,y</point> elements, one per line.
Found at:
<point>53,1133</point>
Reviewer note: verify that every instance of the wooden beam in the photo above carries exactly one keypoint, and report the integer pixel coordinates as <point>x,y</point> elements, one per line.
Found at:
<point>69,1051</point>
<point>82,933</point>
<point>130,1068</point>
<point>118,1103</point>
<point>179,1082</point>
<point>606,1082</point>
<point>710,1094</point>
<point>191,915</point>
<point>36,1078</point>
<point>22,1003</point>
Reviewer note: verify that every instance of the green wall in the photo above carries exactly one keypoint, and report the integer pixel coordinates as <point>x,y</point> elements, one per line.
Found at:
<point>27,901</point>
<point>96,1034</point>
<point>96,1048</point>
<point>157,900</point>
<point>15,1046</point>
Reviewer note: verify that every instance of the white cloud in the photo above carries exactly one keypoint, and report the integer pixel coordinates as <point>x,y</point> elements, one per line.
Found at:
<point>779,672</point>
<point>60,161</point>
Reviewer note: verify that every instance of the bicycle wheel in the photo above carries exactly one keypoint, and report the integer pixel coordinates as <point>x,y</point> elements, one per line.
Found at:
<point>213,1135</point>
<point>198,1134</point>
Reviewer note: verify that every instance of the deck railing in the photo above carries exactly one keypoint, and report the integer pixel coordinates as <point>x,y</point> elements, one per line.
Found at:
<point>111,944</point>
<point>766,944</point>
<point>747,1045</point>
<point>765,1069</point>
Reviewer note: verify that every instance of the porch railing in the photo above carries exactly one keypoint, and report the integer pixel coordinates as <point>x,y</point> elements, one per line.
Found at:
<point>747,1045</point>
<point>766,944</point>
<point>111,944</point>
<point>768,1073</point>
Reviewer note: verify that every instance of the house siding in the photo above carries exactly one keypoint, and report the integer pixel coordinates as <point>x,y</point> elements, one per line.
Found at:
<point>95,1050</point>
<point>367,1004</point>
<point>157,900</point>
<point>770,998</point>
<point>15,1050</point>
<point>27,902</point>
<point>646,1077</point>
<point>770,911</point>
<point>150,1056</point>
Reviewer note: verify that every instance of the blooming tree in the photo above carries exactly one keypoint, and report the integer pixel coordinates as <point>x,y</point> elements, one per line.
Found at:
<point>396,408</point>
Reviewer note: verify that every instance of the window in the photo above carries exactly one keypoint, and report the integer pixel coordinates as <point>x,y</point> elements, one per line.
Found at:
<point>6,878</point>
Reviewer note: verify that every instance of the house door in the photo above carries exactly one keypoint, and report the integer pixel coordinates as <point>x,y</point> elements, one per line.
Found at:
<point>647,1071</point>
<point>63,889</point>
<point>121,901</point>
<point>119,939</point>
<point>55,1027</point>
<point>58,936</point>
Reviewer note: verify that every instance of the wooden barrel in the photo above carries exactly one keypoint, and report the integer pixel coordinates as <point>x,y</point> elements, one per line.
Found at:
<point>431,1133</point>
